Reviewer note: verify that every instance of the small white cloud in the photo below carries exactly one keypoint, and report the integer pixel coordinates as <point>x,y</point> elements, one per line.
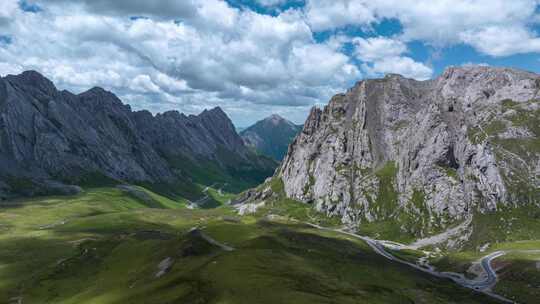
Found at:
<point>376,48</point>
<point>313,62</point>
<point>502,41</point>
<point>144,84</point>
<point>382,55</point>
<point>473,64</point>
<point>330,14</point>
<point>7,68</point>
<point>8,11</point>
<point>170,84</point>
<point>271,2</point>
<point>400,65</point>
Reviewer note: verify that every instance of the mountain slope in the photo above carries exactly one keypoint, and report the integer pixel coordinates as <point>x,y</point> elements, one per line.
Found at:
<point>271,136</point>
<point>50,138</point>
<point>403,159</point>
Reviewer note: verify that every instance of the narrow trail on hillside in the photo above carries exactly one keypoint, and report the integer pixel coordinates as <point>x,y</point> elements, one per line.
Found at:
<point>211,240</point>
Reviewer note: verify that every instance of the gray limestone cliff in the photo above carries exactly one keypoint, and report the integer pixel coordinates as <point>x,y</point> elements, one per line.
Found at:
<point>421,154</point>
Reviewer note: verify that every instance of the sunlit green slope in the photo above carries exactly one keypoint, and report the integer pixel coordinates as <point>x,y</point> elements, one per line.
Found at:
<point>110,246</point>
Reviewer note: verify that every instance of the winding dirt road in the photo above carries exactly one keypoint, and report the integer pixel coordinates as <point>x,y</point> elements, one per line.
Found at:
<point>482,285</point>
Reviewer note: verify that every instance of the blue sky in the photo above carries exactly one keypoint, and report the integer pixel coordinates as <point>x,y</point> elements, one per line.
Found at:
<point>257,57</point>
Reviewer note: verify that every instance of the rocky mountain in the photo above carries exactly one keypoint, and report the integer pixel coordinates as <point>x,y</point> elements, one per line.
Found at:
<point>271,136</point>
<point>51,139</point>
<point>420,156</point>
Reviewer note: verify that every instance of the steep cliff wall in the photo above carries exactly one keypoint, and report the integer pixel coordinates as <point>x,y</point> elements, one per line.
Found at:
<point>423,155</point>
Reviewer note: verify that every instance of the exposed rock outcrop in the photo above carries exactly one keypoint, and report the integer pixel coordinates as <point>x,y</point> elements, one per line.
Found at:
<point>421,154</point>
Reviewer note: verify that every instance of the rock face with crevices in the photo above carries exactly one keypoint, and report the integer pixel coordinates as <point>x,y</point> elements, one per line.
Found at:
<point>51,140</point>
<point>423,154</point>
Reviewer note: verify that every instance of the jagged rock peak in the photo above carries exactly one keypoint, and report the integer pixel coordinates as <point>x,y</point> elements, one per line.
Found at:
<point>217,116</point>
<point>96,91</point>
<point>47,135</point>
<point>216,111</point>
<point>33,79</point>
<point>174,114</point>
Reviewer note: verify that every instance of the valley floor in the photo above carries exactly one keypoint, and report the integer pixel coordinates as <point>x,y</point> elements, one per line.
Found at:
<point>110,246</point>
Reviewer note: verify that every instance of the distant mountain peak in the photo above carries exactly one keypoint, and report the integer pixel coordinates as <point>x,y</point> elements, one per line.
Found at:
<point>274,118</point>
<point>271,136</point>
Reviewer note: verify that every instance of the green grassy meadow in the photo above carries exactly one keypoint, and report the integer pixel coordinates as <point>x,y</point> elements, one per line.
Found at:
<point>109,246</point>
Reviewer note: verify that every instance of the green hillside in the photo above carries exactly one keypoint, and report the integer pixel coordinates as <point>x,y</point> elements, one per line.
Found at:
<point>110,246</point>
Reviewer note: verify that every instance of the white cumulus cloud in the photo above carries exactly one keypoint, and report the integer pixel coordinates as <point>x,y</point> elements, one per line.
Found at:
<point>382,55</point>
<point>194,54</point>
<point>439,22</point>
<point>212,54</point>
